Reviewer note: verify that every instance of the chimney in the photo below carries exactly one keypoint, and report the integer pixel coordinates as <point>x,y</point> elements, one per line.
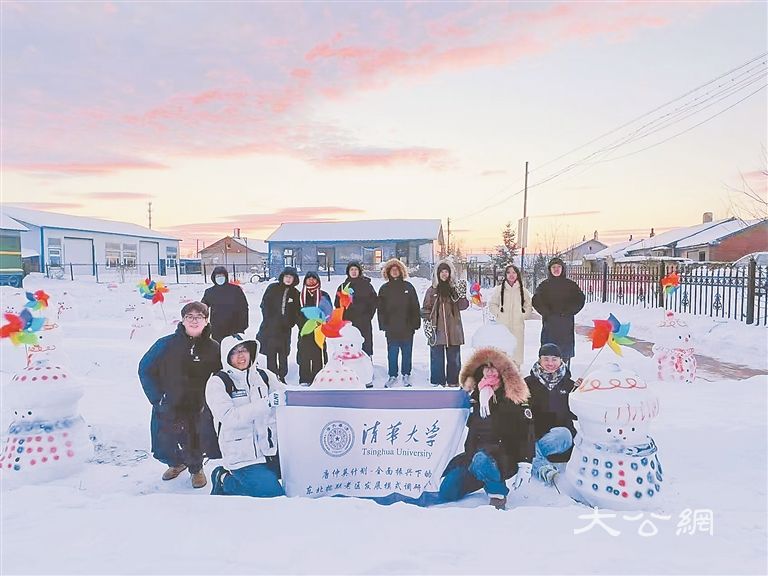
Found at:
<point>707,217</point>
<point>594,236</point>
<point>236,233</point>
<point>630,237</point>
<point>652,234</point>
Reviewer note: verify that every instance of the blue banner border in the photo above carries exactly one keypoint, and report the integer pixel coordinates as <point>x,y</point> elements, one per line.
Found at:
<point>379,399</point>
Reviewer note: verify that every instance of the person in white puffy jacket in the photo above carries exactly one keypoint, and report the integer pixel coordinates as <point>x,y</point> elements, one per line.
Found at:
<point>511,304</point>
<point>242,398</point>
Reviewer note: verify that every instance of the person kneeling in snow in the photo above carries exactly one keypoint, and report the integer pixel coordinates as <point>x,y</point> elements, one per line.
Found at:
<point>500,440</point>
<point>242,398</point>
<point>550,384</point>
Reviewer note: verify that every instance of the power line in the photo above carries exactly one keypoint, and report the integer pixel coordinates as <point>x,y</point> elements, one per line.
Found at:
<point>712,94</point>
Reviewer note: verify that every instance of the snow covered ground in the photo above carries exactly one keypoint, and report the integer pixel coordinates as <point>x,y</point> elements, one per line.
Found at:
<point>118,517</point>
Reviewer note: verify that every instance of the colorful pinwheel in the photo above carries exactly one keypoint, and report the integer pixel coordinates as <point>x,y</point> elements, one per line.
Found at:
<point>611,332</point>
<point>37,301</point>
<point>475,296</point>
<point>152,290</point>
<point>346,296</point>
<point>670,283</point>
<point>22,329</point>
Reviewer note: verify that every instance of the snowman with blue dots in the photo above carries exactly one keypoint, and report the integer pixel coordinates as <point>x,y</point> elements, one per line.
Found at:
<point>615,462</point>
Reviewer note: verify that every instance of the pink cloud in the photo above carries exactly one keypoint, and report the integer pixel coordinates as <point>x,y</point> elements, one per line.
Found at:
<point>365,157</point>
<point>47,205</point>
<point>117,195</point>
<point>84,169</point>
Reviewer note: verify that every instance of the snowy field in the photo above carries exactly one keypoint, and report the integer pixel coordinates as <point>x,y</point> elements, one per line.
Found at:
<point>118,517</point>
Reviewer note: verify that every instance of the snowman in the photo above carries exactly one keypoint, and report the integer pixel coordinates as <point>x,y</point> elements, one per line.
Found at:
<point>673,351</point>
<point>614,463</point>
<point>495,335</point>
<point>349,366</point>
<point>47,438</point>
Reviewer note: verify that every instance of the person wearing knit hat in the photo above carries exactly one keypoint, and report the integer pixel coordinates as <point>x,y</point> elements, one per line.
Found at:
<point>362,307</point>
<point>550,385</point>
<point>441,311</point>
<point>399,315</point>
<point>558,300</point>
<point>510,303</point>
<point>310,357</point>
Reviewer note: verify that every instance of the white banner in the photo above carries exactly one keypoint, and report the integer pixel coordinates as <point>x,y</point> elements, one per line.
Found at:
<point>368,442</point>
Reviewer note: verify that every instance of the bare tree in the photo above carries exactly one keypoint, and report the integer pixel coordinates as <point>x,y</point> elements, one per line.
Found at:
<point>749,201</point>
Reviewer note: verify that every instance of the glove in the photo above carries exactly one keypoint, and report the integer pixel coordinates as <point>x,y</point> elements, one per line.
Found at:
<point>523,475</point>
<point>429,332</point>
<point>461,289</point>
<point>547,474</point>
<point>486,393</point>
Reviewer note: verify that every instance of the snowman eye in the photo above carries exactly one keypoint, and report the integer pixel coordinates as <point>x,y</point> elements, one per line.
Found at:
<point>608,430</point>
<point>633,429</point>
<point>29,412</point>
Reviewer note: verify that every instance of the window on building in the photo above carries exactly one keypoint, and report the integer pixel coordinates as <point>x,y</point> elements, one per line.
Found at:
<point>702,256</point>
<point>130,255</point>
<point>401,252</point>
<point>171,256</point>
<point>372,256</point>
<point>288,257</point>
<point>326,259</point>
<point>112,254</point>
<point>54,251</point>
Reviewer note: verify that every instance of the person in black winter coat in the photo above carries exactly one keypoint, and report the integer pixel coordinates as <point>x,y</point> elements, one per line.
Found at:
<point>399,314</point>
<point>228,305</point>
<point>558,300</point>
<point>500,439</point>
<point>279,310</point>
<point>360,312</point>
<point>310,357</point>
<point>550,384</point>
<point>173,374</point>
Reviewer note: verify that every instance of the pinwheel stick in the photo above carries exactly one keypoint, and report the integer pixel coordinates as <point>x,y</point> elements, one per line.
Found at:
<point>586,370</point>
<point>165,319</point>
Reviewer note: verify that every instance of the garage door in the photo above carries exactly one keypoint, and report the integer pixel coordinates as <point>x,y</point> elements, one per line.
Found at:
<point>79,253</point>
<point>149,253</point>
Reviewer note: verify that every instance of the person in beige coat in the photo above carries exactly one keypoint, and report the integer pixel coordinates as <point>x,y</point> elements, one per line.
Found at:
<point>511,304</point>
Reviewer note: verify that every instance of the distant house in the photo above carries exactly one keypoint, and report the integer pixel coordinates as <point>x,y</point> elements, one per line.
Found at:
<point>11,268</point>
<point>712,240</point>
<point>235,250</point>
<point>327,247</point>
<point>60,240</point>
<point>578,252</point>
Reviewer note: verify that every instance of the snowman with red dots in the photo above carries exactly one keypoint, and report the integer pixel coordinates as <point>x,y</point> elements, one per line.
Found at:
<point>349,367</point>
<point>614,463</point>
<point>673,351</point>
<point>48,437</point>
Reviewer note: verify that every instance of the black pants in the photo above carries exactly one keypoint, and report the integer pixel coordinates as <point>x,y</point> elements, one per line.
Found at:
<point>367,332</point>
<point>177,441</point>
<point>311,359</point>
<point>276,350</point>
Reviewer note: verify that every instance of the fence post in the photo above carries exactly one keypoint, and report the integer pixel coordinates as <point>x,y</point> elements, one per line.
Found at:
<point>176,266</point>
<point>204,273</point>
<point>662,273</point>
<point>605,281</point>
<point>751,285</point>
<point>71,272</point>
<point>96,270</point>
<point>149,271</point>
<point>494,274</point>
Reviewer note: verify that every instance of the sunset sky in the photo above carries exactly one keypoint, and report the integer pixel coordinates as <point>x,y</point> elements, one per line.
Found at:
<point>247,115</point>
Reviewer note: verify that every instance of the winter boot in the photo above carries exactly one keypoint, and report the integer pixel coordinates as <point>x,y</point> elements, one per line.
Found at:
<point>173,471</point>
<point>390,383</point>
<point>198,479</point>
<point>217,480</point>
<point>497,501</point>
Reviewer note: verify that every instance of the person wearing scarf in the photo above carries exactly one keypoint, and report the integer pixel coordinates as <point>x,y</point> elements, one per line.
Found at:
<point>310,357</point>
<point>442,311</point>
<point>550,384</point>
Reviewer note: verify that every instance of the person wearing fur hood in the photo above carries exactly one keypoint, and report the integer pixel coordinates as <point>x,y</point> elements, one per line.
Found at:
<point>500,440</point>
<point>399,317</point>
<point>363,306</point>
<point>242,398</point>
<point>510,303</point>
<point>441,311</point>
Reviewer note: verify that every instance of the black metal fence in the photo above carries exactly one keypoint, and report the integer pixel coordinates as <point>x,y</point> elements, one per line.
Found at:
<point>707,289</point>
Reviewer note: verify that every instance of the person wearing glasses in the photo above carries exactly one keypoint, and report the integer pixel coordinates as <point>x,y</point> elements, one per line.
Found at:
<point>173,374</point>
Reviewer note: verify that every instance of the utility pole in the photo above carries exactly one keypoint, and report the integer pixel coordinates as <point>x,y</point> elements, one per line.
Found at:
<point>149,213</point>
<point>524,241</point>
<point>448,247</point>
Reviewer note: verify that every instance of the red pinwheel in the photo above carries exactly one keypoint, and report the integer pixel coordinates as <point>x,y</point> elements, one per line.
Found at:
<point>37,300</point>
